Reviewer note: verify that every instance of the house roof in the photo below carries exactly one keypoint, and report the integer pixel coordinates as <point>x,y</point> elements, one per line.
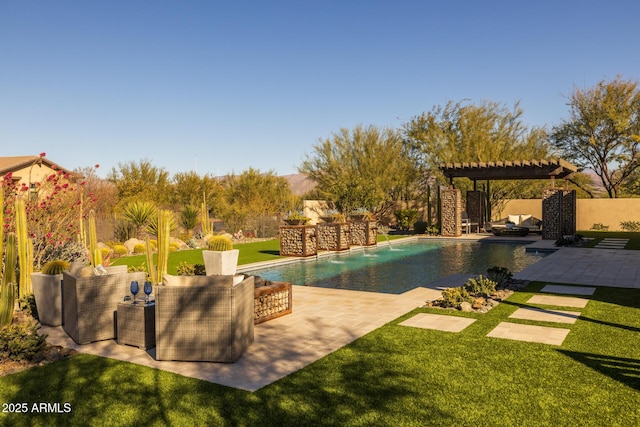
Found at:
<point>15,163</point>
<point>517,169</point>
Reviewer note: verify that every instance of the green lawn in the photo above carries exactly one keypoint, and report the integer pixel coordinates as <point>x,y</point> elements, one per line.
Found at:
<point>597,236</point>
<point>394,376</point>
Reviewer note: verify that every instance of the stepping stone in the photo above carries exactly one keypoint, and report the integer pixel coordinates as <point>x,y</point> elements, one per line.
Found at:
<point>560,301</point>
<point>438,322</point>
<point>542,315</point>
<point>529,333</point>
<point>569,290</point>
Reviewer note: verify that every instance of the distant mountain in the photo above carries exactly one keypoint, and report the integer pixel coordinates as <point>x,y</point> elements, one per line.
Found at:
<point>299,183</point>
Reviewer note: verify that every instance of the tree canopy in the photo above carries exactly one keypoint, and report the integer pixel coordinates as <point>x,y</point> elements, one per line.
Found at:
<point>603,132</point>
<point>366,167</point>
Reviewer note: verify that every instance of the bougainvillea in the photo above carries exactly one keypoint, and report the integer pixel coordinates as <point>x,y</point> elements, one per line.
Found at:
<point>55,207</point>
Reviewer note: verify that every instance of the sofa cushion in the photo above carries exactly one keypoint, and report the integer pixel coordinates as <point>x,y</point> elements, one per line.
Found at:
<point>222,281</point>
<point>514,219</point>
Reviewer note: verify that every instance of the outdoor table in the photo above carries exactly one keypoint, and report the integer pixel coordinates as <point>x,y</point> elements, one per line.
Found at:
<point>136,324</point>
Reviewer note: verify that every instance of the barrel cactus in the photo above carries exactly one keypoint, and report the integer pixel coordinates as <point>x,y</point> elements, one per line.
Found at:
<point>55,267</point>
<point>220,243</point>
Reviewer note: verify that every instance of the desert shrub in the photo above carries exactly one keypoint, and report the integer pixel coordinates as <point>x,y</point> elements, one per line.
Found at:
<point>433,230</point>
<point>137,268</point>
<point>55,267</point>
<point>193,243</point>
<point>630,225</point>
<point>599,227</point>
<point>453,297</point>
<point>173,246</point>
<point>105,252</point>
<point>119,250</point>
<point>69,251</point>
<point>186,269</point>
<point>21,341</point>
<point>500,275</point>
<point>406,218</point>
<point>480,286</point>
<point>569,240</point>
<point>27,304</point>
<point>139,248</point>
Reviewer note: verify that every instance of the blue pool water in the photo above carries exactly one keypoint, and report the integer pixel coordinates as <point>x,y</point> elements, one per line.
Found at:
<point>403,266</point>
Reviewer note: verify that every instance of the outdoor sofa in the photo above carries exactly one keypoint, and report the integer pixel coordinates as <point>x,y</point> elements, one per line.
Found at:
<point>204,318</point>
<point>520,221</point>
<point>89,301</point>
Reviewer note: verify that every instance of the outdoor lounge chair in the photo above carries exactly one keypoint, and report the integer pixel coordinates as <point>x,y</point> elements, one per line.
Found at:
<point>89,302</point>
<point>204,318</point>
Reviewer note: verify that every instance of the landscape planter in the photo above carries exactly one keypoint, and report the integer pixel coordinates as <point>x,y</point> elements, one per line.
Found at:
<point>220,262</point>
<point>333,236</point>
<point>47,290</point>
<point>298,240</point>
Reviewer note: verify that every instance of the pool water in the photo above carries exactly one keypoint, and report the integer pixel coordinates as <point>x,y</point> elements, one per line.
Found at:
<point>402,266</point>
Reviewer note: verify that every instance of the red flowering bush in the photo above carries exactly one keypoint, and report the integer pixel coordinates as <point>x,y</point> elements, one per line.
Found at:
<point>55,209</point>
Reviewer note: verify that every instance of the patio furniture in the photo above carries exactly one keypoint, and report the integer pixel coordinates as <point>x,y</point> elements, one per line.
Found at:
<point>467,225</point>
<point>204,318</point>
<point>89,302</point>
<point>510,231</point>
<point>136,324</point>
<point>532,224</point>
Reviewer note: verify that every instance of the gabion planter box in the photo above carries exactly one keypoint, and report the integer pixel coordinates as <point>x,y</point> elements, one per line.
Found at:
<point>364,233</point>
<point>271,301</point>
<point>298,240</point>
<point>333,236</point>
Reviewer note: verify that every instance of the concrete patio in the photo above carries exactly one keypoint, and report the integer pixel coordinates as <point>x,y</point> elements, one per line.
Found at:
<point>324,320</point>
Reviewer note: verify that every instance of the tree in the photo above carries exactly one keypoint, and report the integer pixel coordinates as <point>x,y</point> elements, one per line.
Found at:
<point>603,131</point>
<point>366,167</point>
<point>141,181</point>
<point>460,132</point>
<point>189,188</point>
<point>253,194</point>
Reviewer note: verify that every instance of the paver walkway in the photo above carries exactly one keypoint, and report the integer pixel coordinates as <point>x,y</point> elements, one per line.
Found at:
<point>611,243</point>
<point>439,322</point>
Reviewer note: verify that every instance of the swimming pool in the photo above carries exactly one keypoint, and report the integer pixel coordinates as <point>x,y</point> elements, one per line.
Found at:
<point>402,266</point>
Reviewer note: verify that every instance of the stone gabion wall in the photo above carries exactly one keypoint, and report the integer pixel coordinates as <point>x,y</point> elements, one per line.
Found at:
<point>363,233</point>
<point>333,236</point>
<point>568,212</point>
<point>558,213</point>
<point>272,304</point>
<point>298,240</point>
<point>476,207</point>
<point>451,202</point>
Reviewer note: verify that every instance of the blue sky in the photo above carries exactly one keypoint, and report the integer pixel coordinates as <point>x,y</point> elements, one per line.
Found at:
<point>219,87</point>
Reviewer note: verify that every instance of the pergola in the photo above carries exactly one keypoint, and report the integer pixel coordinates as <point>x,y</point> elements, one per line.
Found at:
<point>558,204</point>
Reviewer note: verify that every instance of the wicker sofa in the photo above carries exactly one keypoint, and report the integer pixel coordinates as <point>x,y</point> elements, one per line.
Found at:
<point>89,302</point>
<point>204,318</point>
<point>532,224</point>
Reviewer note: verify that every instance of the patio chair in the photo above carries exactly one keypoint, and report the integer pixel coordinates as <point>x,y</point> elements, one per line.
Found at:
<point>89,302</point>
<point>204,318</point>
<point>467,225</point>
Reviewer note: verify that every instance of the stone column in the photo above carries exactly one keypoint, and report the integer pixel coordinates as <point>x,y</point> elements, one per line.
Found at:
<point>451,202</point>
<point>558,213</point>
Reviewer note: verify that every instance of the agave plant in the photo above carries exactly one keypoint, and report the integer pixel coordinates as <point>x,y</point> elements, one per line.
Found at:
<point>140,213</point>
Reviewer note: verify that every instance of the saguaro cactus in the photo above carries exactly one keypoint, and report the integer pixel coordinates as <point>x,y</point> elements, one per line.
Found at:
<point>96,254</point>
<point>164,234</point>
<point>7,285</point>
<point>204,217</point>
<point>25,249</point>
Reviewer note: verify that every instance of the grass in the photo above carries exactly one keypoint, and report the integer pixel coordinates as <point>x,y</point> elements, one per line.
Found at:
<point>266,250</point>
<point>394,376</point>
<point>597,236</point>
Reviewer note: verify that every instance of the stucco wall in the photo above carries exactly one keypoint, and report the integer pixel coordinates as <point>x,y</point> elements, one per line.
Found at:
<point>609,212</point>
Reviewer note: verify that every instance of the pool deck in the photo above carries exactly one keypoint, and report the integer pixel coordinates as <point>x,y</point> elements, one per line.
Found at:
<point>324,320</point>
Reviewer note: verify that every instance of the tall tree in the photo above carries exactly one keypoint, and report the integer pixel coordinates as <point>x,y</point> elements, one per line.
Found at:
<point>253,194</point>
<point>364,167</point>
<point>141,181</point>
<point>603,131</point>
<point>460,132</point>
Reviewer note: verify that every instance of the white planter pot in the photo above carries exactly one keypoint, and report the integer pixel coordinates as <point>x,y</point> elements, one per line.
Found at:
<point>47,290</point>
<point>221,262</point>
